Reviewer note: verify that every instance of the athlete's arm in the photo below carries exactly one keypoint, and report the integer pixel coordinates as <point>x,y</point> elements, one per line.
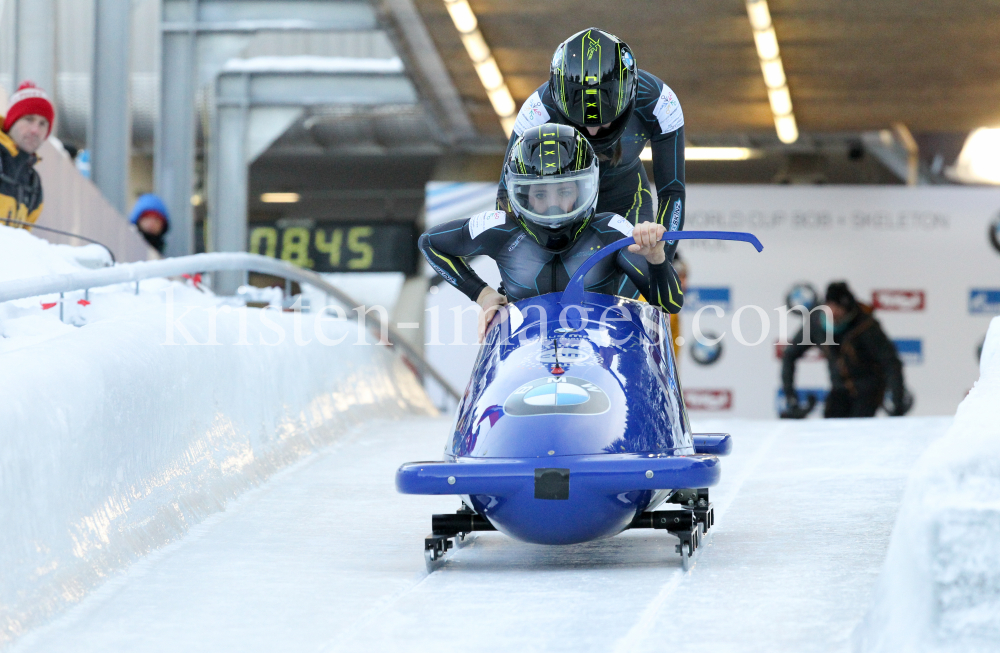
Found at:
<point>444,247</point>
<point>661,110</point>
<point>668,175</point>
<point>646,265</point>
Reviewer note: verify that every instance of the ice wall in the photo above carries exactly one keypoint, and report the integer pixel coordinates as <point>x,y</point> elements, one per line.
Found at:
<point>113,441</point>
<point>940,587</point>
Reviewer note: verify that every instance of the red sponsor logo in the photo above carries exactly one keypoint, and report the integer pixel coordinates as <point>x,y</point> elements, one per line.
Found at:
<point>708,399</point>
<point>812,354</point>
<point>898,300</point>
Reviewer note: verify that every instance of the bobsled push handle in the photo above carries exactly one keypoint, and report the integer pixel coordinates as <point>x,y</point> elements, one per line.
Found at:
<point>573,295</point>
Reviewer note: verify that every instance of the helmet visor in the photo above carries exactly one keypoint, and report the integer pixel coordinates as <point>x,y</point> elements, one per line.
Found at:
<point>556,200</point>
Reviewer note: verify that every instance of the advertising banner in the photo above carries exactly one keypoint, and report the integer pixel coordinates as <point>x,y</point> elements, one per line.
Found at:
<point>926,258</point>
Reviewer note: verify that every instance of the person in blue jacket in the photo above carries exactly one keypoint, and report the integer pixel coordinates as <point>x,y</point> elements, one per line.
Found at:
<point>150,216</point>
<point>595,86</point>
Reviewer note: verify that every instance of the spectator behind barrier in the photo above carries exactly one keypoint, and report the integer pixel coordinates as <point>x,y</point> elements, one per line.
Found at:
<point>26,126</point>
<point>150,216</point>
<point>863,361</point>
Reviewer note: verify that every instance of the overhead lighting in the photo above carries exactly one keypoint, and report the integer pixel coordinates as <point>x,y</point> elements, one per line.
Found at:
<point>774,73</point>
<point>279,198</point>
<point>711,154</point>
<point>781,100</point>
<point>979,160</point>
<point>482,59</point>
<point>788,131</point>
<point>462,15</point>
<point>773,70</point>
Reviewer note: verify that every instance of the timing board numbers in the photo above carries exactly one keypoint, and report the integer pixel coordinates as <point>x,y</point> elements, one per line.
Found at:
<point>335,247</point>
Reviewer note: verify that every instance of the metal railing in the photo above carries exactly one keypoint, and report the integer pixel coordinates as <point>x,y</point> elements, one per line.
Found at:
<point>218,262</point>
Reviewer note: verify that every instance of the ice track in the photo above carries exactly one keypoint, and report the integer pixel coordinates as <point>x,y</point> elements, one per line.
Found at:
<point>327,557</point>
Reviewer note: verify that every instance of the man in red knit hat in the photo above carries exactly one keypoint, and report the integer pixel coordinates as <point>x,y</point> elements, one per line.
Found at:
<point>25,127</point>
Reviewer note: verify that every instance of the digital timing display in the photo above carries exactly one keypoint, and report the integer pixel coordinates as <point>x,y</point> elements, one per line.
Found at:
<point>338,246</point>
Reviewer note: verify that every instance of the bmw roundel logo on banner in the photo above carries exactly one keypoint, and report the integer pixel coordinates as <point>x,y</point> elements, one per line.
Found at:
<point>566,395</point>
<point>802,294</point>
<point>704,353</point>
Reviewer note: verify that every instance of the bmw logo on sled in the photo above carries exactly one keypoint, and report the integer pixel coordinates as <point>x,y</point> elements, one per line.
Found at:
<point>573,427</point>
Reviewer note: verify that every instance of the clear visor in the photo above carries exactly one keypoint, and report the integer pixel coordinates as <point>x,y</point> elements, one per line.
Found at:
<point>554,201</point>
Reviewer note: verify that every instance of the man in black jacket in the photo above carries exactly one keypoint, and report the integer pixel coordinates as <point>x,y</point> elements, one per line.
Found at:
<point>863,361</point>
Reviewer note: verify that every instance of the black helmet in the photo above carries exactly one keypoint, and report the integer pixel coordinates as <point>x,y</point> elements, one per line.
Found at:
<point>593,80</point>
<point>552,177</point>
<point>838,293</point>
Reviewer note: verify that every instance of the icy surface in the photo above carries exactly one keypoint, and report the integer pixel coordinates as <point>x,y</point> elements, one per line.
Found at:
<point>940,589</point>
<point>327,557</point>
<point>138,415</point>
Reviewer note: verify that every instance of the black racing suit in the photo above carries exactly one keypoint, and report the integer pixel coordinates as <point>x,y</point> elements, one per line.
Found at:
<point>528,270</point>
<point>624,189</point>
<point>863,364</point>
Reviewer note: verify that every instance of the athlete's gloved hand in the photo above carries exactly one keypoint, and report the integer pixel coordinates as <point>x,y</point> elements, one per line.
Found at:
<point>794,410</point>
<point>899,406</point>
<point>647,242</point>
<point>490,301</point>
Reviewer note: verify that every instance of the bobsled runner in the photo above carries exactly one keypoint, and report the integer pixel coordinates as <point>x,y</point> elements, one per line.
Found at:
<point>573,427</point>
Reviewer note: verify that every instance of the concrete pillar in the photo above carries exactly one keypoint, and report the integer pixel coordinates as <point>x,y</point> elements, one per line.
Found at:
<point>173,170</point>
<point>109,136</point>
<point>35,51</point>
<point>229,186</point>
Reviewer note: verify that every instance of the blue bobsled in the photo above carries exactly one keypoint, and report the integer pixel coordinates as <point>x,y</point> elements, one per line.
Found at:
<point>573,426</point>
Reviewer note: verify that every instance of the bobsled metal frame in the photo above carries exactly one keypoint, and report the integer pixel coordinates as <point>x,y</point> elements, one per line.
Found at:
<point>689,523</point>
<point>217,262</point>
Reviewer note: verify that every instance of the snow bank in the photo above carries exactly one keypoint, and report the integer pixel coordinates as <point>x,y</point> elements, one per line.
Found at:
<point>940,586</point>
<point>139,415</point>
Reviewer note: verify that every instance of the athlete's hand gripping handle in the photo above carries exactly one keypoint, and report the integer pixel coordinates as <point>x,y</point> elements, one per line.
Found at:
<point>574,293</point>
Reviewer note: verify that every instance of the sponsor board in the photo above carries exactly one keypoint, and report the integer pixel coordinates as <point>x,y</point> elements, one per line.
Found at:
<point>565,395</point>
<point>910,350</point>
<point>984,301</point>
<point>899,300</point>
<point>698,296</point>
<point>708,400</point>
